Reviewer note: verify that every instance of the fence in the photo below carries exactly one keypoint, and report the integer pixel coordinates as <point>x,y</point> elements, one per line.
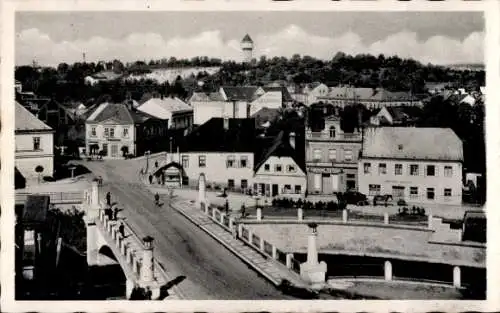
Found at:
<point>55,197</point>
<point>253,240</point>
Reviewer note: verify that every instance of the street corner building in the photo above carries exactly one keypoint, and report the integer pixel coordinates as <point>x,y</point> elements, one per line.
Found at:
<point>118,129</point>
<point>34,141</point>
<point>419,165</point>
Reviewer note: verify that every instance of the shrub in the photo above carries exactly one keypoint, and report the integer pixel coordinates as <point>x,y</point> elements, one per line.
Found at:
<point>401,202</point>
<point>49,178</point>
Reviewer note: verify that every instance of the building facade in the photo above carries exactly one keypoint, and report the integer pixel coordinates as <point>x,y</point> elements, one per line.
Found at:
<point>419,165</point>
<point>178,113</point>
<point>34,141</point>
<point>332,158</point>
<point>117,129</point>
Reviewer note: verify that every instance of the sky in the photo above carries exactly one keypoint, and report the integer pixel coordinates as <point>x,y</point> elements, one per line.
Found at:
<point>430,37</point>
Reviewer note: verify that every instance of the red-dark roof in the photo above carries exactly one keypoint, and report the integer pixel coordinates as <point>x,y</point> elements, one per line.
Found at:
<point>281,147</point>
<point>247,39</point>
<point>246,93</point>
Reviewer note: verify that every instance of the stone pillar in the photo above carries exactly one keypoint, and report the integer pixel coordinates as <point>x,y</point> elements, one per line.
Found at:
<point>289,260</point>
<point>213,213</point>
<point>344,216</point>
<point>222,215</point>
<point>129,285</point>
<point>261,244</point>
<point>202,196</point>
<point>312,271</point>
<point>312,250</point>
<point>457,277</point>
<point>387,270</point>
<point>231,222</point>
<point>300,214</point>
<point>123,248</point>
<point>147,269</point>
<point>250,235</point>
<point>129,255</point>
<point>240,230</point>
<point>274,252</point>
<point>386,218</point>
<point>259,214</point>
<point>94,200</point>
<point>429,221</point>
<point>206,208</point>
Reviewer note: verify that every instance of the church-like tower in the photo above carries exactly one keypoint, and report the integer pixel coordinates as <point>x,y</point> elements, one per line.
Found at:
<point>247,47</point>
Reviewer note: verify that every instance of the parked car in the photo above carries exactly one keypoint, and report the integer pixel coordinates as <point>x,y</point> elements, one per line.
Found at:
<point>354,197</point>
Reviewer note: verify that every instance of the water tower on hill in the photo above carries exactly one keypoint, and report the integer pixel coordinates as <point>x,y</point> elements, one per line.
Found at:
<point>247,47</point>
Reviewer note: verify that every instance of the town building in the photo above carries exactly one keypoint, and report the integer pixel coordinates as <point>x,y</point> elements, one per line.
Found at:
<point>331,158</point>
<point>313,92</point>
<point>104,76</point>
<point>221,148</point>
<point>34,141</point>
<point>237,102</point>
<point>419,165</point>
<point>280,170</point>
<point>393,116</point>
<point>118,129</point>
<point>372,98</point>
<point>178,113</point>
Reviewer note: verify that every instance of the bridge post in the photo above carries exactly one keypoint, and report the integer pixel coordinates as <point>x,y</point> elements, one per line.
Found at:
<point>147,268</point>
<point>222,215</point>
<point>457,277</point>
<point>274,252</point>
<point>202,197</point>
<point>289,257</point>
<point>300,214</point>
<point>250,236</point>
<point>344,216</point>
<point>259,214</point>
<point>386,218</point>
<point>387,270</point>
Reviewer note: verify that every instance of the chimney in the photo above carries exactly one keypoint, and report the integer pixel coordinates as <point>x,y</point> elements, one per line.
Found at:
<point>226,123</point>
<point>291,138</point>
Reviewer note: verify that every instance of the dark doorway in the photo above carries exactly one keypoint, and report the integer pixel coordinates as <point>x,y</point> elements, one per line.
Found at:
<point>275,190</point>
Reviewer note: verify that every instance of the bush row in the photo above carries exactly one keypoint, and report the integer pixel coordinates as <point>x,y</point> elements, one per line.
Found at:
<point>307,205</point>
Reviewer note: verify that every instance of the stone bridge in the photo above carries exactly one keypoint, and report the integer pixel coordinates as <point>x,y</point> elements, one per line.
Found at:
<point>133,254</point>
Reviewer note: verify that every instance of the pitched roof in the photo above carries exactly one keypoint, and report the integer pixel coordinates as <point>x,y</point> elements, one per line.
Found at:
<point>119,112</point>
<point>370,94</point>
<point>212,137</point>
<point>206,96</point>
<point>164,107</point>
<point>26,121</point>
<point>265,115</point>
<point>245,93</point>
<point>412,143</point>
<point>284,92</point>
<point>247,39</point>
<point>280,147</point>
<point>35,209</point>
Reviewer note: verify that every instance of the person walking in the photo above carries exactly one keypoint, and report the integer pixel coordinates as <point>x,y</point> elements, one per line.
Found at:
<point>150,179</point>
<point>108,198</point>
<point>115,213</point>
<point>157,199</point>
<point>148,293</point>
<point>121,230</point>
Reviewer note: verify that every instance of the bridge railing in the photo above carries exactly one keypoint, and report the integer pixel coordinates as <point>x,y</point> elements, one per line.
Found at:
<point>55,197</point>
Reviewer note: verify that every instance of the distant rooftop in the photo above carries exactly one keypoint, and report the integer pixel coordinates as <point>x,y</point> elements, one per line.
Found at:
<point>247,39</point>
<point>26,121</point>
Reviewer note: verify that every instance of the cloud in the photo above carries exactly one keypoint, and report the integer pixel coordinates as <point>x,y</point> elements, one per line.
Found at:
<point>32,44</point>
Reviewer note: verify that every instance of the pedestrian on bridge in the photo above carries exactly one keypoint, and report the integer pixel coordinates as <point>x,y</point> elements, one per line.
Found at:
<point>115,213</point>
<point>121,230</point>
<point>108,198</point>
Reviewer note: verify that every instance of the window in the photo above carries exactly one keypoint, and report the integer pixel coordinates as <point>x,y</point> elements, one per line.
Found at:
<point>36,143</point>
<point>106,132</point>
<point>105,148</point>
<point>430,193</point>
<point>185,161</point>
<point>267,167</point>
<point>448,171</point>
<point>287,188</point>
<point>447,192</point>
<point>112,133</point>
<point>430,170</point>
<point>93,132</point>
<point>348,155</point>
<point>367,168</point>
<point>373,190</point>
<point>291,169</point>
<point>414,170</point>
<point>317,182</point>
<point>244,184</point>
<point>398,169</point>
<point>244,161</point>
<point>332,154</point>
<point>382,169</point>
<point>298,189</point>
<point>277,168</point>
<point>398,191</point>
<point>231,161</point>
<point>413,192</point>
<point>317,154</point>
<point>230,183</point>
<point>332,132</point>
<point>202,161</point>
<point>125,133</point>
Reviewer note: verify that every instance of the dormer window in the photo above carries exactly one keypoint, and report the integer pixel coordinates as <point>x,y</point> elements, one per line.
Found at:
<point>332,132</point>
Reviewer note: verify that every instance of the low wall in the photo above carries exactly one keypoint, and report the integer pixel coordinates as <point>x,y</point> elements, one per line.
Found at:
<point>409,243</point>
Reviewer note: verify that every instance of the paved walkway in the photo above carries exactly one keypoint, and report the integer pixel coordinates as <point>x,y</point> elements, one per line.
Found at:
<point>267,267</point>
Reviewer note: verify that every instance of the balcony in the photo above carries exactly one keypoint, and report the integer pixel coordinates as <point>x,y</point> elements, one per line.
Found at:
<point>325,136</point>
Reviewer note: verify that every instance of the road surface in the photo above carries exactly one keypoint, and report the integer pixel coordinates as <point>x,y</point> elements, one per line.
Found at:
<point>212,272</point>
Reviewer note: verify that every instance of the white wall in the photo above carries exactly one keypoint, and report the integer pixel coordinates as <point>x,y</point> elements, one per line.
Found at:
<point>438,182</point>
<point>205,110</point>
<point>216,170</point>
<point>27,159</point>
<point>118,139</point>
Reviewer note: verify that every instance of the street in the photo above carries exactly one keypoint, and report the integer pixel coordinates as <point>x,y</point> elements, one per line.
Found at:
<point>212,272</point>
